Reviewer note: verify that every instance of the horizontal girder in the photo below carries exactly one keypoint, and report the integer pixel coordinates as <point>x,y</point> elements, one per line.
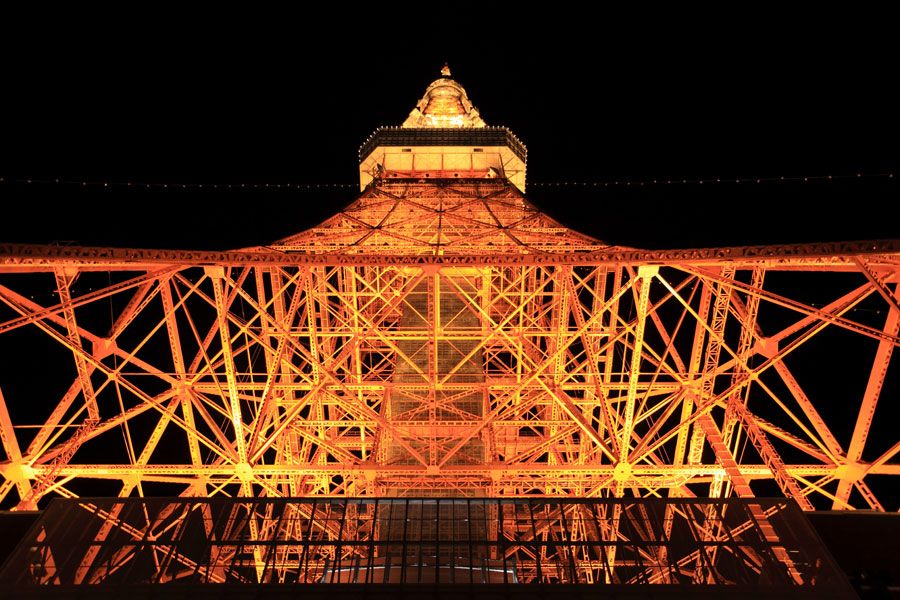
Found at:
<point>682,373</point>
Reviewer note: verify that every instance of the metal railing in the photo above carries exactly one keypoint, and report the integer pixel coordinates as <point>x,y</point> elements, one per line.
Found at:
<point>422,541</point>
<point>482,136</point>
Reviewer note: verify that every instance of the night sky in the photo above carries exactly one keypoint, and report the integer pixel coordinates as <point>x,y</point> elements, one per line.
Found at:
<point>638,96</point>
<point>230,99</point>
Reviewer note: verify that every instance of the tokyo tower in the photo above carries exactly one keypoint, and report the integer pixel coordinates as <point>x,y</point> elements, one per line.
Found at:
<point>442,338</point>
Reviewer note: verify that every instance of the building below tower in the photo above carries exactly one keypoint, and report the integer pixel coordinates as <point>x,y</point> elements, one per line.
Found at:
<point>684,546</point>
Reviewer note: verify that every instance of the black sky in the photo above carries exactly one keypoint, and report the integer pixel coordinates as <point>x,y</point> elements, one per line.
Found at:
<point>275,98</point>
<point>229,98</point>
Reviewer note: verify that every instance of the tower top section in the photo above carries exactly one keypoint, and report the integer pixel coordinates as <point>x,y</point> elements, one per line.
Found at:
<point>444,137</point>
<point>445,104</point>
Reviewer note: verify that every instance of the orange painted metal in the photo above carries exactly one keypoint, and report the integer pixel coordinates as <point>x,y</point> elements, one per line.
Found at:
<point>442,336</point>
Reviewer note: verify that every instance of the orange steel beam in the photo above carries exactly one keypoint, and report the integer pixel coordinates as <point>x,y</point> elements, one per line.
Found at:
<point>18,475</point>
<point>772,359</point>
<point>187,411</point>
<point>852,473</point>
<point>64,279</point>
<point>237,422</point>
<point>879,283</point>
<point>714,345</point>
<point>645,276</point>
<point>573,378</point>
<point>830,256</point>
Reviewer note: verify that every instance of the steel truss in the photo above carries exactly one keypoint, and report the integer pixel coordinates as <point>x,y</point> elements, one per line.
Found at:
<point>446,338</point>
<point>684,542</point>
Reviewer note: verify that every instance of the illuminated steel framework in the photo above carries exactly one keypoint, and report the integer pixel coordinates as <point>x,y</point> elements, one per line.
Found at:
<point>682,542</point>
<point>442,337</point>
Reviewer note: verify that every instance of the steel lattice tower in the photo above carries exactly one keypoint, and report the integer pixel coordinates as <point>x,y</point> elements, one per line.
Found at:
<point>443,337</point>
